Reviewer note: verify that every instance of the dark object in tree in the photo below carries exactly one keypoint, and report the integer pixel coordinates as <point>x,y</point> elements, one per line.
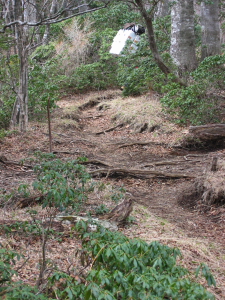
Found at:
<point>128,25</point>
<point>138,29</point>
<point>120,213</point>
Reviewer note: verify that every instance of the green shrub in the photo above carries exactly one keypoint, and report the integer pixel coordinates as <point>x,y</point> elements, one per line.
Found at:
<point>8,78</point>
<point>197,103</point>
<point>44,82</point>
<point>124,268</point>
<point>96,76</point>
<point>7,259</point>
<point>62,183</point>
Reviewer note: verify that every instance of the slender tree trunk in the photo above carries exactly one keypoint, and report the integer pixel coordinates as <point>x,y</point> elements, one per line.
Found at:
<point>182,48</point>
<point>21,35</point>
<point>152,42</point>
<point>49,125</point>
<point>23,93</point>
<point>211,31</point>
<point>23,78</point>
<point>151,37</point>
<point>15,114</point>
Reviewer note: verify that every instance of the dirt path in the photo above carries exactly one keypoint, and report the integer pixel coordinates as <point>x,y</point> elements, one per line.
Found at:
<point>153,173</point>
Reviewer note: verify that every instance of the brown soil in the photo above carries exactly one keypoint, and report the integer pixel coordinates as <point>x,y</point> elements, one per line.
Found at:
<point>159,215</point>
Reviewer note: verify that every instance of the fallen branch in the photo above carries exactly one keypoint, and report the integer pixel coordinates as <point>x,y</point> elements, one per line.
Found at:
<point>138,173</point>
<point>163,163</point>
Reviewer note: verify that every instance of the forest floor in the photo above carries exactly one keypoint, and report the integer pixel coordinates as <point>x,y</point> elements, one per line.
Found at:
<point>130,143</point>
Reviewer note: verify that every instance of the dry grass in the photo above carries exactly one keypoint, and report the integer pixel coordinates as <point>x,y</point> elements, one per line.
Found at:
<point>74,48</point>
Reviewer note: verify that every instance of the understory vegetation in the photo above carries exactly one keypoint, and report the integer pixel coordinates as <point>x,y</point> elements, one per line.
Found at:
<point>117,268</point>
<point>112,266</point>
<point>76,61</point>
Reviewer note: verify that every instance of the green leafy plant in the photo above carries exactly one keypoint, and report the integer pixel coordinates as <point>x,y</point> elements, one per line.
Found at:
<point>8,77</point>
<point>101,209</point>
<point>62,183</point>
<point>123,268</point>
<point>44,82</point>
<point>7,259</point>
<point>197,103</point>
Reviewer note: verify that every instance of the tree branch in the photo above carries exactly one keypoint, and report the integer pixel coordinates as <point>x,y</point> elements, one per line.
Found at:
<point>56,18</point>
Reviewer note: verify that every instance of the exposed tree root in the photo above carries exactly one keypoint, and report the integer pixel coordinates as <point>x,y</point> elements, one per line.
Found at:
<point>95,162</point>
<point>5,161</point>
<point>109,129</point>
<point>138,173</point>
<point>142,144</point>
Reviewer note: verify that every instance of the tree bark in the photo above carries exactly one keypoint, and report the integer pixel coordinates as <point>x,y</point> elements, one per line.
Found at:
<point>211,31</point>
<point>22,45</point>
<point>182,48</point>
<point>163,9</point>
<point>208,132</point>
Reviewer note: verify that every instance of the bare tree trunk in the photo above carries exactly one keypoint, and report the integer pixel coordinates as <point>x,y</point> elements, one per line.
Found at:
<point>163,9</point>
<point>211,31</point>
<point>182,48</point>
<point>23,93</point>
<point>53,10</point>
<point>49,126</point>
<point>23,77</point>
<point>15,114</point>
<point>21,105</point>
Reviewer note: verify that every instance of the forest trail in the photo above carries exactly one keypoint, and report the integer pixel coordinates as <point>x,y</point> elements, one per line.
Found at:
<point>152,171</point>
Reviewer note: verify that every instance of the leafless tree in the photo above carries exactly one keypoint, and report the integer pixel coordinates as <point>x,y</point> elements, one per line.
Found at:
<point>211,29</point>
<point>22,19</point>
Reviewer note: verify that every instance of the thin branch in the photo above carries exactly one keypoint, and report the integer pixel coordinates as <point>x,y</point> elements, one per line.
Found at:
<point>51,20</point>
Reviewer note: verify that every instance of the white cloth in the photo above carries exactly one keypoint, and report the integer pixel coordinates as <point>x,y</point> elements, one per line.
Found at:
<point>120,40</point>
